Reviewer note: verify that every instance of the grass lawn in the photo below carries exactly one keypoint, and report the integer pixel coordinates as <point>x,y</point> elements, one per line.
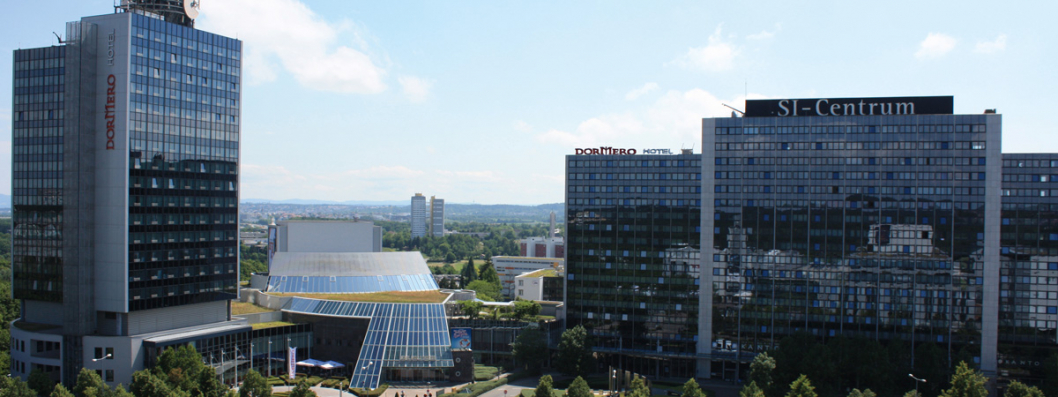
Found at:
<point>270,324</point>
<point>238,308</point>
<point>382,297</point>
<point>458,265</point>
<point>483,372</point>
<point>532,393</point>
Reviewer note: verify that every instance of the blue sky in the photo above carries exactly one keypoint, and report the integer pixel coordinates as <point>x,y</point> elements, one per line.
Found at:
<point>478,101</point>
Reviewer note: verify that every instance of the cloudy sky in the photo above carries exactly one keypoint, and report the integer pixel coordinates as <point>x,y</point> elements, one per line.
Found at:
<point>478,101</point>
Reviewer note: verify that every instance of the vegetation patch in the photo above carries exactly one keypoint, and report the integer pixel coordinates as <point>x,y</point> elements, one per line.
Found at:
<point>270,324</point>
<point>381,297</point>
<point>238,308</point>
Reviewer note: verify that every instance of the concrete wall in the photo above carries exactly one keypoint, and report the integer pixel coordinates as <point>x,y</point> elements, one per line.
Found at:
<point>264,300</point>
<point>329,236</point>
<point>142,322</point>
<point>265,317</point>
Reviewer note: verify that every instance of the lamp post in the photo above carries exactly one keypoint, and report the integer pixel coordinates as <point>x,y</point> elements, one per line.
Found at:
<point>269,356</point>
<point>222,370</point>
<point>108,356</point>
<point>917,381</point>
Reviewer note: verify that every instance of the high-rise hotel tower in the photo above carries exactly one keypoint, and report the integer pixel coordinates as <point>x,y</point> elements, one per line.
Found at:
<point>125,189</point>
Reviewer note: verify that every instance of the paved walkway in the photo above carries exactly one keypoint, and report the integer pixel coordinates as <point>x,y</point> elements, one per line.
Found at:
<point>320,391</point>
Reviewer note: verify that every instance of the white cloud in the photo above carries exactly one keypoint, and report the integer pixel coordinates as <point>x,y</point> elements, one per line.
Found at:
<point>638,92</point>
<point>673,120</point>
<point>764,34</point>
<point>988,47</point>
<point>289,34</point>
<point>416,89</point>
<point>935,45</point>
<point>521,125</point>
<point>717,56</point>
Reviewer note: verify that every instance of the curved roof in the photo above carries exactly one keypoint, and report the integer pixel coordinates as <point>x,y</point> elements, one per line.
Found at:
<point>326,264</point>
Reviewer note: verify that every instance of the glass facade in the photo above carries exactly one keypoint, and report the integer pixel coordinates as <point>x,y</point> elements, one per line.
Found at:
<point>37,173</point>
<point>183,160</point>
<point>633,232</point>
<point>1028,296</point>
<point>870,227</point>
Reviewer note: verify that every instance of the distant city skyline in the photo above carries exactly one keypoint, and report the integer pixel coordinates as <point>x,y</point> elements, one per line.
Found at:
<point>479,102</point>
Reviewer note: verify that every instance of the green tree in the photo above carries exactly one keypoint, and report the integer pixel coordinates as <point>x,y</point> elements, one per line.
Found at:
<point>302,390</point>
<point>471,309</point>
<point>530,350</point>
<point>40,382</point>
<point>485,290</point>
<point>488,273</point>
<point>751,390</point>
<point>913,393</point>
<point>89,383</point>
<point>147,384</point>
<point>15,387</point>
<point>60,391</point>
<point>469,274</point>
<point>691,389</point>
<point>966,383</point>
<point>579,388</point>
<point>575,352</point>
<point>451,257</point>
<point>865,393</point>
<point>639,388</point>
<point>524,309</point>
<point>801,387</point>
<point>544,388</point>
<point>120,392</point>
<point>761,368</point>
<point>255,385</point>
<point>209,385</point>
<point>181,366</point>
<point>1018,389</point>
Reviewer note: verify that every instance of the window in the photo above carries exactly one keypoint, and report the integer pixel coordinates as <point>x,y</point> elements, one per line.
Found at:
<point>110,375</point>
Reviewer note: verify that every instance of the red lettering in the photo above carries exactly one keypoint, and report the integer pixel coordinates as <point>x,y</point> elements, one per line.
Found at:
<point>631,151</point>
<point>108,114</point>
<point>579,151</point>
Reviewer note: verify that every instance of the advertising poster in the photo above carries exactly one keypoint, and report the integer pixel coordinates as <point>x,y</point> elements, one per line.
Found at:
<point>292,358</point>
<point>461,338</point>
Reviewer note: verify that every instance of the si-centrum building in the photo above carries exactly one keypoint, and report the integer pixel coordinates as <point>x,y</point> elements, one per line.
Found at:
<point>879,218</point>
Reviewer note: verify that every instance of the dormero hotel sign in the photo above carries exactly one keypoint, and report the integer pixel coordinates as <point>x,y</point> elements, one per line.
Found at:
<point>850,106</point>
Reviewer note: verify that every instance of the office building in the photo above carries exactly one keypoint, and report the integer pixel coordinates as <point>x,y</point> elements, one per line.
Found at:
<point>543,247</point>
<point>437,217</point>
<point>878,218</point>
<point>418,215</point>
<point>509,267</point>
<point>540,285</point>
<point>125,141</point>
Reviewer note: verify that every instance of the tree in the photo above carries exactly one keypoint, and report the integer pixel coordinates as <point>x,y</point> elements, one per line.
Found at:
<point>488,273</point>
<point>302,390</point>
<point>966,383</point>
<point>761,368</point>
<point>801,387</point>
<point>471,309</point>
<point>450,258</point>
<point>526,309</point>
<point>40,382</point>
<point>469,273</point>
<point>913,393</point>
<point>15,387</point>
<point>530,350</point>
<point>89,383</point>
<point>60,391</point>
<point>181,366</point>
<point>543,389</point>
<point>639,388</point>
<point>147,384</point>
<point>485,290</point>
<point>865,393</point>
<point>210,386</point>
<point>255,385</point>
<point>691,389</point>
<point>120,392</point>
<point>579,388</point>
<point>751,390</point>
<point>1018,389</point>
<point>575,352</point>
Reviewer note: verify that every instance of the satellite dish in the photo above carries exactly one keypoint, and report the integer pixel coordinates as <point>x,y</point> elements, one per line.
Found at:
<point>191,8</point>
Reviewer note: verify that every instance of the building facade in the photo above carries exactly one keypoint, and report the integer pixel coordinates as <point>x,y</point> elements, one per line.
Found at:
<point>418,215</point>
<point>632,238</point>
<point>890,219</point>
<point>509,267</point>
<point>437,217</point>
<point>543,247</point>
<point>323,236</point>
<point>125,189</point>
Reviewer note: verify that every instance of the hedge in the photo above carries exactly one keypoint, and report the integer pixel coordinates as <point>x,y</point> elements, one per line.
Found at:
<point>369,393</point>
<point>477,389</point>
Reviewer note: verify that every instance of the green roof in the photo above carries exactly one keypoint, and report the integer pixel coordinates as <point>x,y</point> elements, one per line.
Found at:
<point>540,273</point>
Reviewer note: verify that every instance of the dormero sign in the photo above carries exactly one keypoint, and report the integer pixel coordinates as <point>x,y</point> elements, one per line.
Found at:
<point>850,106</point>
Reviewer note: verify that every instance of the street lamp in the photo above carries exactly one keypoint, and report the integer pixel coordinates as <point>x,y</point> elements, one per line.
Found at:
<point>106,357</point>
<point>269,356</point>
<point>917,381</point>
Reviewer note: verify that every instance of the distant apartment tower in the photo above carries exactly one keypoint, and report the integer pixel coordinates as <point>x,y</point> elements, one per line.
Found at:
<point>437,217</point>
<point>125,191</point>
<point>418,215</point>
<point>543,247</point>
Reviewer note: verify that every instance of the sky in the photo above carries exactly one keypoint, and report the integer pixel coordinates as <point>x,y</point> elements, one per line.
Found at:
<point>479,101</point>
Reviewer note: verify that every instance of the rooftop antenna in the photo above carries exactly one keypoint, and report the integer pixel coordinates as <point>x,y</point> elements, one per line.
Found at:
<point>729,107</point>
<point>59,38</point>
